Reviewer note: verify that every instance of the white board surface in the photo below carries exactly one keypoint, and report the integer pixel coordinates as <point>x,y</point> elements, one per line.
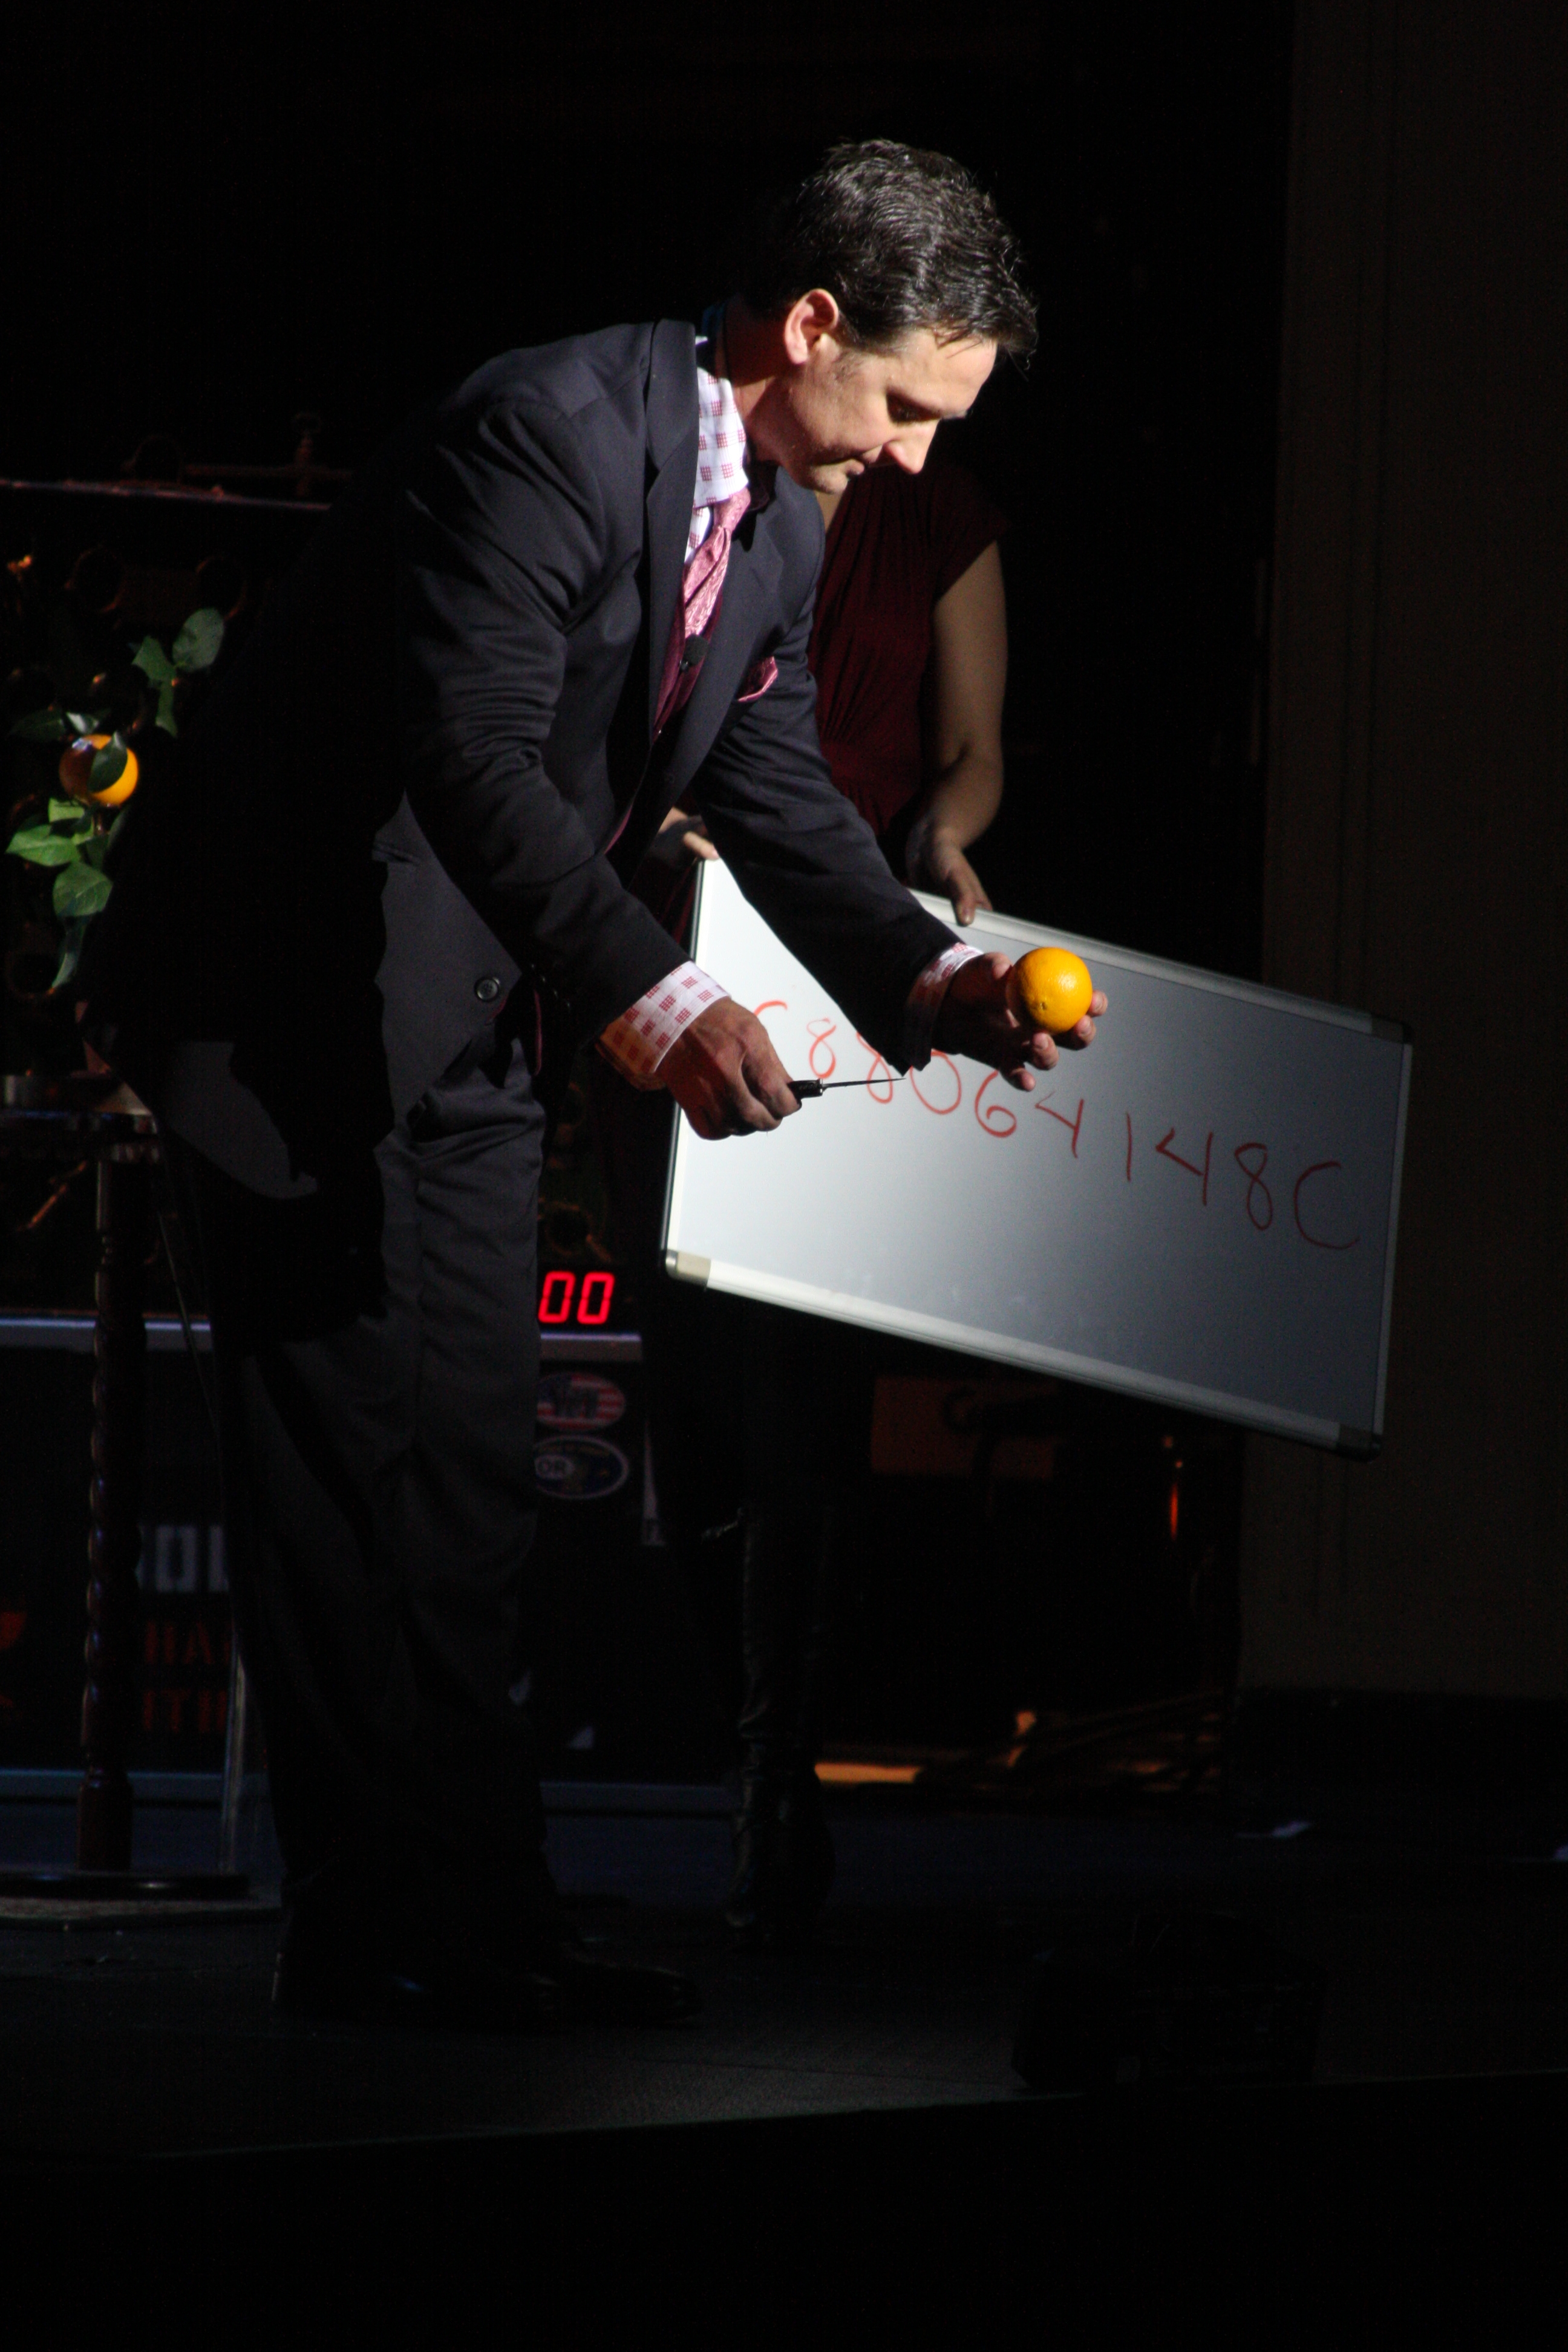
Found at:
<point>1200,1208</point>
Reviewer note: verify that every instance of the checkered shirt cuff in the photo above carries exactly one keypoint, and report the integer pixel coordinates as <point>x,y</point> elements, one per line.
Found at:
<point>637,1043</point>
<point>925,1002</point>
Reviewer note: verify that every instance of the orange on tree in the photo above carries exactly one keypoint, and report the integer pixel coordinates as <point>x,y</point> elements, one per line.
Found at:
<point>76,773</point>
<point>1055,987</point>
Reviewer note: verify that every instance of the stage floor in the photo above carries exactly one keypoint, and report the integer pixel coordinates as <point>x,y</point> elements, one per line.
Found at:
<point>119,2040</point>
<point>838,2150</point>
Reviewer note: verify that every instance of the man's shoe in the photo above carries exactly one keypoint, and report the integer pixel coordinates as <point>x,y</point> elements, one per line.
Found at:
<point>389,1994</point>
<point>617,1992</point>
<point>571,1988</point>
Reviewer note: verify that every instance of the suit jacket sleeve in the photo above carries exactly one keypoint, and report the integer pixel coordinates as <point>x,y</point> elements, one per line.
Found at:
<point>807,860</point>
<point>501,548</point>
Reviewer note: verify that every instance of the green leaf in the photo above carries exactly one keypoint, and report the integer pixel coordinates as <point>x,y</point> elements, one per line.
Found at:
<point>165,719</point>
<point>70,813</point>
<point>108,765</point>
<point>81,890</point>
<point>71,951</point>
<point>41,845</point>
<point>95,849</point>
<point>116,829</point>
<point>196,647</point>
<point>49,726</point>
<point>83,723</point>
<point>152,662</point>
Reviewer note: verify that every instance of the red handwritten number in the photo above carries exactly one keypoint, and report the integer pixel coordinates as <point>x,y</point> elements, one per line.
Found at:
<point>770,1004</point>
<point>1253,1171</point>
<point>598,1290</point>
<point>1318,1168</point>
<point>1202,1172</point>
<point>880,1085</point>
<point>997,1119</point>
<point>1073,1126</point>
<point>821,1029</point>
<point>943,1110</point>
<point>555,1300</point>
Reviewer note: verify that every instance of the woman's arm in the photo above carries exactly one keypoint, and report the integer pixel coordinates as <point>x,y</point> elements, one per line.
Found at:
<point>968,676</point>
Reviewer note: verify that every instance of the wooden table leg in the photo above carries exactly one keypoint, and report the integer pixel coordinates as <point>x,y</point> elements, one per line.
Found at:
<point>113,1597</point>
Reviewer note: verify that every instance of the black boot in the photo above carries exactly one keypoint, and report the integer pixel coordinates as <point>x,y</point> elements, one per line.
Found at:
<point>783,1851</point>
<point>784,1861</point>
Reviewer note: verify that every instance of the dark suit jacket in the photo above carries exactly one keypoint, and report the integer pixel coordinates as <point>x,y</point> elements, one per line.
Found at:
<point>401,804</point>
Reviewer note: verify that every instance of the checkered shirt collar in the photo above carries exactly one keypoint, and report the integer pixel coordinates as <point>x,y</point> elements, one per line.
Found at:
<point>722,465</point>
<point>721,441</point>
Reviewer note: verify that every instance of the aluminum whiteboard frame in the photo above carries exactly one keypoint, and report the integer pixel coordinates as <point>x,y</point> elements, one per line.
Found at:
<point>743,1282</point>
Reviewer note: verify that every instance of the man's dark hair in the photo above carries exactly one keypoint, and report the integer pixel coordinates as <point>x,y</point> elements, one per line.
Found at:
<point>902,239</point>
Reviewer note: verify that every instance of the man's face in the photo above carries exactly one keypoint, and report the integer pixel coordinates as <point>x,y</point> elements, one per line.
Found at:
<point>838,411</point>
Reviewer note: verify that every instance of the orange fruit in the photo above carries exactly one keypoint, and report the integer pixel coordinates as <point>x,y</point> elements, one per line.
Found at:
<point>76,773</point>
<point>1055,988</point>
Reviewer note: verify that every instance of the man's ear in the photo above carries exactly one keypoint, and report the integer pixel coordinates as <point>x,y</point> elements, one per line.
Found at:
<point>811,328</point>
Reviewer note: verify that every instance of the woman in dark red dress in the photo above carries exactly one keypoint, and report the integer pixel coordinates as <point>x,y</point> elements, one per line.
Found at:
<point>909,654</point>
<point>909,650</point>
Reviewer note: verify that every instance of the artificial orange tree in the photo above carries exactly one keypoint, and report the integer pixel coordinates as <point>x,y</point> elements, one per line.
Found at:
<point>97,774</point>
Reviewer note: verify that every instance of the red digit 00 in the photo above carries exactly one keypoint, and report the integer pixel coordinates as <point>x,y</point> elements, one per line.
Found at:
<point>594,1306</point>
<point>555,1298</point>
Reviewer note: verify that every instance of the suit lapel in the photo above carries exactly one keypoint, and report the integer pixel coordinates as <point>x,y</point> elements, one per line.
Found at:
<point>672,449</point>
<point>749,601</point>
<point>671,472</point>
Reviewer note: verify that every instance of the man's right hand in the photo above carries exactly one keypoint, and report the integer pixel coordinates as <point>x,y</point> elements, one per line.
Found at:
<point>725,1074</point>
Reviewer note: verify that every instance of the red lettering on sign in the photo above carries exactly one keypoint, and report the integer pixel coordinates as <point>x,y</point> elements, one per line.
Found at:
<point>1318,1168</point>
<point>880,1085</point>
<point>1255,1188</point>
<point>943,1110</point>
<point>995,1119</point>
<point>821,1029</point>
<point>1201,1173</point>
<point>594,1306</point>
<point>555,1298</point>
<point>1073,1126</point>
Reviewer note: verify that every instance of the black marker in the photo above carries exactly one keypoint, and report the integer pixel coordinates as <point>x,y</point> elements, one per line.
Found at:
<point>807,1090</point>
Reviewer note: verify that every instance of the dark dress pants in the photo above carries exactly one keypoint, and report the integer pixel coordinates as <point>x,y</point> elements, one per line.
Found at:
<point>376,1350</point>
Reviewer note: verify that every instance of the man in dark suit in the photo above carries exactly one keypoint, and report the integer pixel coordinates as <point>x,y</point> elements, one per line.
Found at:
<point>349,955</point>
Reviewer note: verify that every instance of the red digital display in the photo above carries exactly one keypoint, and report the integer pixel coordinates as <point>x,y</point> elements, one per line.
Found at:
<point>596,1297</point>
<point>562,1299</point>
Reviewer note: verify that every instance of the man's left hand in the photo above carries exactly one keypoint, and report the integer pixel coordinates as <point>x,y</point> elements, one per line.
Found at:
<point>982,1016</point>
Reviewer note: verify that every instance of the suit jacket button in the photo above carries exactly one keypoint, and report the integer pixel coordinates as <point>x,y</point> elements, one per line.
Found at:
<point>487,989</point>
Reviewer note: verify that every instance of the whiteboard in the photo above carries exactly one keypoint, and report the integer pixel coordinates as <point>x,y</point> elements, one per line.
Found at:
<point>1199,1209</point>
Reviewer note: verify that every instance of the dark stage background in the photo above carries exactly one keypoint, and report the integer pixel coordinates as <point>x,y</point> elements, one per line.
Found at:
<point>219,220</point>
<point>220,217</point>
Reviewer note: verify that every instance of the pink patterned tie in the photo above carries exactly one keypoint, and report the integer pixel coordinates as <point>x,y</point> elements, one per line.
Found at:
<point>701,586</point>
